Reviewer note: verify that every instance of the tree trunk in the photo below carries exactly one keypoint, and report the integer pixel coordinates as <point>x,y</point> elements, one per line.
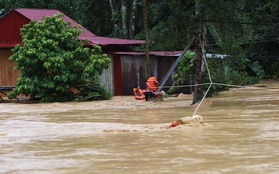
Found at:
<point>132,19</point>
<point>114,11</point>
<point>124,18</point>
<point>146,38</point>
<point>200,64</point>
<point>199,56</point>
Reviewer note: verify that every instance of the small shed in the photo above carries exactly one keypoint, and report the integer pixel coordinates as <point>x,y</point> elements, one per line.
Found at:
<point>130,68</point>
<point>127,68</point>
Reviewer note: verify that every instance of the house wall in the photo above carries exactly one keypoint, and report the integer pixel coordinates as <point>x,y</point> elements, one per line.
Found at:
<point>165,63</point>
<point>122,75</point>
<point>8,75</point>
<point>133,72</point>
<point>10,25</point>
<point>106,79</point>
<point>133,69</point>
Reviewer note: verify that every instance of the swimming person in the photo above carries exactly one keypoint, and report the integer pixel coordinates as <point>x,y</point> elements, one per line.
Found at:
<point>187,120</point>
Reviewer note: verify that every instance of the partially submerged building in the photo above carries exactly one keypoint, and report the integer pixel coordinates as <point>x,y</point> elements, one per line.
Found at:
<point>127,68</point>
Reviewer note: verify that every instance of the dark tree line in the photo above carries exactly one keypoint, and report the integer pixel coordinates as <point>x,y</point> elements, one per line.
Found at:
<point>246,30</point>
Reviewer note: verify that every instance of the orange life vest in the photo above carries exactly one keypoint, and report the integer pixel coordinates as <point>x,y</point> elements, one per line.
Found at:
<point>139,94</point>
<point>151,84</point>
<point>174,124</point>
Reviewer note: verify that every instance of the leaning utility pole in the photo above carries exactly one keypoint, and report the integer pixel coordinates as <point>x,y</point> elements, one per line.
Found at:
<point>146,38</point>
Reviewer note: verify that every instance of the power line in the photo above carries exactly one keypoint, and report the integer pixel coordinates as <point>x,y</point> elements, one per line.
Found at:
<point>241,23</point>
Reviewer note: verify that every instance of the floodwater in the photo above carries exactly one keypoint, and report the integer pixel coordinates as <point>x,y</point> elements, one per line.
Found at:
<point>241,136</point>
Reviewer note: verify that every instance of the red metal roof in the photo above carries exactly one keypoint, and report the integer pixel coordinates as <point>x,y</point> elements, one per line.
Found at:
<point>112,41</point>
<point>36,14</point>
<point>155,53</point>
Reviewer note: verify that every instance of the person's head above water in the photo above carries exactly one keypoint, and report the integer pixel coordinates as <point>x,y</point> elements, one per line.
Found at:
<point>198,118</point>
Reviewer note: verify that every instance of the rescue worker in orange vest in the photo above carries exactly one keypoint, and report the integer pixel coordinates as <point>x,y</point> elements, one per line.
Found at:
<point>151,84</point>
<point>151,89</point>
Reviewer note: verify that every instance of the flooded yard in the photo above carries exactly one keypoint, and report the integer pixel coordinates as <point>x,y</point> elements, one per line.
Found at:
<point>127,136</point>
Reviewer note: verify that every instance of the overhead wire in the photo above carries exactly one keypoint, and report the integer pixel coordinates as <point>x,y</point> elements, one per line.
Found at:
<point>211,82</point>
<point>220,84</point>
<point>272,38</point>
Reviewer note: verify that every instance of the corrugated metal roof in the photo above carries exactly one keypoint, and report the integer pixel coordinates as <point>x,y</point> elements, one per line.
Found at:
<point>165,53</point>
<point>112,41</point>
<point>36,14</point>
<point>155,53</point>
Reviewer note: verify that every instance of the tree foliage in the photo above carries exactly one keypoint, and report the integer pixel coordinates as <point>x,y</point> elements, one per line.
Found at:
<point>246,30</point>
<point>53,60</point>
<point>184,73</point>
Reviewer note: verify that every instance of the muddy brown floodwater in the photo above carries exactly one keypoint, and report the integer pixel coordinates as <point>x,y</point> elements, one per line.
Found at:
<point>127,136</point>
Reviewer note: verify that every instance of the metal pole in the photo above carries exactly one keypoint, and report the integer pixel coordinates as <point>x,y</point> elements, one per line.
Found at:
<point>175,64</point>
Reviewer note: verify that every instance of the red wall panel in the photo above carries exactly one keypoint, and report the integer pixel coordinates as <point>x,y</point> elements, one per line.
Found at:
<point>10,26</point>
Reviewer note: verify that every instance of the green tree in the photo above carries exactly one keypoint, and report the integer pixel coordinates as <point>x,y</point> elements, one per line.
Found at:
<point>53,60</point>
<point>226,28</point>
<point>263,48</point>
<point>184,72</point>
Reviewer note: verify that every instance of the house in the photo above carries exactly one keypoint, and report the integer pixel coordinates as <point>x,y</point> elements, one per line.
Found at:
<point>127,68</point>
